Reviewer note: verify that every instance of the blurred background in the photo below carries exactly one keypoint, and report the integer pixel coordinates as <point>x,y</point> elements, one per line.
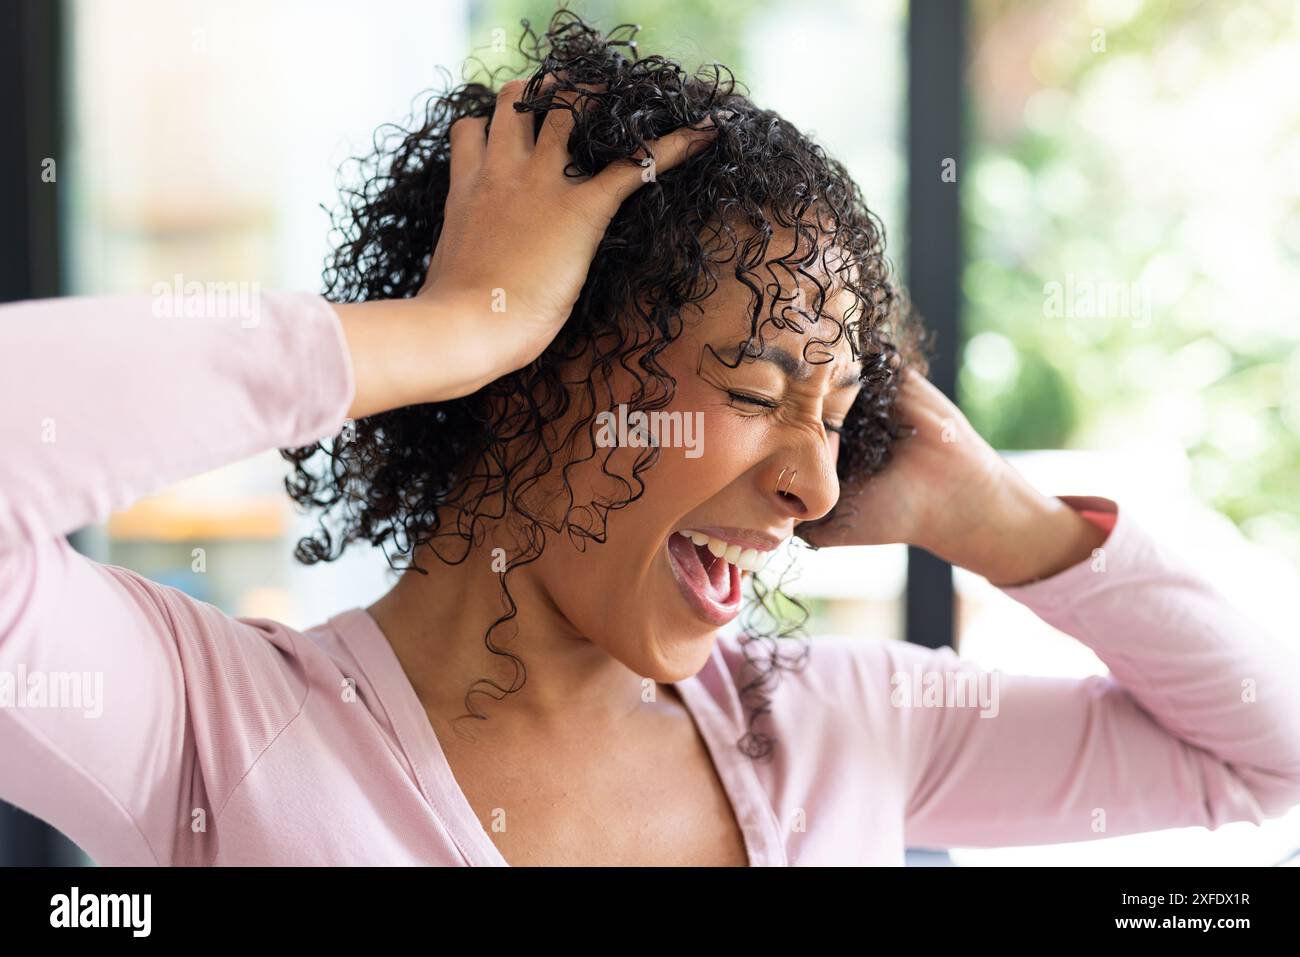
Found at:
<point>1096,204</point>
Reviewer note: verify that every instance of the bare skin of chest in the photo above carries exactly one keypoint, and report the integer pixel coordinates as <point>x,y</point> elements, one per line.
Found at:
<point>649,801</point>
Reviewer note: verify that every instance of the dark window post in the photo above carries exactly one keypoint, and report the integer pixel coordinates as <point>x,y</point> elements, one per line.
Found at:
<point>936,59</point>
<point>32,110</point>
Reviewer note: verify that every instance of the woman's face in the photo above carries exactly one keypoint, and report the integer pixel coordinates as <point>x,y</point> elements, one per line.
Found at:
<point>754,455</point>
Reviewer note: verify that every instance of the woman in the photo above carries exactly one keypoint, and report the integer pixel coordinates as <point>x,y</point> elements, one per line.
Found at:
<point>547,682</point>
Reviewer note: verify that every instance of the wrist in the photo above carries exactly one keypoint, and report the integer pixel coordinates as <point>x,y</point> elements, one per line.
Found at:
<point>1025,536</point>
<point>412,351</point>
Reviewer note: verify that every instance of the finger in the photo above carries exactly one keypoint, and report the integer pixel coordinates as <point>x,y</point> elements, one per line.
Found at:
<point>554,135</point>
<point>511,137</point>
<point>621,178</point>
<point>468,147</point>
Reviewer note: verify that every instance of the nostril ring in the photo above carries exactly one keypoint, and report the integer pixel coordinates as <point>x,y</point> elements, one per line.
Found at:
<point>786,490</point>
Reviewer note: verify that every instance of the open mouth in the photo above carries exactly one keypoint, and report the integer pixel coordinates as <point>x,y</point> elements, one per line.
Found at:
<point>708,574</point>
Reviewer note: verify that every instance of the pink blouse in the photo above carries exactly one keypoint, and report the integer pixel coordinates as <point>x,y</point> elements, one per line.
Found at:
<point>220,740</point>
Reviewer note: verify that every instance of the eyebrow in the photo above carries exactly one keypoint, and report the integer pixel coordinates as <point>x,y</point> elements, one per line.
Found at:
<point>798,369</point>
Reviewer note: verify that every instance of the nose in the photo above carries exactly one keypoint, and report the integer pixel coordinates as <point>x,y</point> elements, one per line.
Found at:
<point>802,481</point>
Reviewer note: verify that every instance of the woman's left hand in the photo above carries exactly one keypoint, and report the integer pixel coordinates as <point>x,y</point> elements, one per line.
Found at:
<point>948,491</point>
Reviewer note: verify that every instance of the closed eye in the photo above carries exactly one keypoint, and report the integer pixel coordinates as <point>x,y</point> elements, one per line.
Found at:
<point>752,400</point>
<point>769,404</point>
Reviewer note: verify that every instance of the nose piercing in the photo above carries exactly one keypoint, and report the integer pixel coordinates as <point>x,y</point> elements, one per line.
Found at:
<point>786,490</point>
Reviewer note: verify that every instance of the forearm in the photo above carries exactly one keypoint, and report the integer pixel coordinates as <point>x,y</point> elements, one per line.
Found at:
<point>1024,536</point>
<point>411,351</point>
<point>104,401</point>
<point>1208,675</point>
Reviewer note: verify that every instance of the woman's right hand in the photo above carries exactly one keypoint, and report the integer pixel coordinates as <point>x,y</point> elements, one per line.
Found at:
<point>517,242</point>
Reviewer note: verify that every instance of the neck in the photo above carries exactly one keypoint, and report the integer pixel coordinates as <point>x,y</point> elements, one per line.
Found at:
<point>437,622</point>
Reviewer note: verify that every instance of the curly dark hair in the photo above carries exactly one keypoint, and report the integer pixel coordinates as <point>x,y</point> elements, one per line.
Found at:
<point>432,474</point>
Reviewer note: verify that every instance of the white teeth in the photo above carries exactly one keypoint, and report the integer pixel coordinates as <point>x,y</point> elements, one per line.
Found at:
<point>746,559</point>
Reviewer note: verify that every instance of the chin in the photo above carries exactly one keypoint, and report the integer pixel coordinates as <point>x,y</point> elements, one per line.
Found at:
<point>692,658</point>
<point>668,653</point>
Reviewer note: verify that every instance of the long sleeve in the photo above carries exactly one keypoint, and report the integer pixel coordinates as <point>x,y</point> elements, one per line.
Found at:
<point>102,402</point>
<point>1198,722</point>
